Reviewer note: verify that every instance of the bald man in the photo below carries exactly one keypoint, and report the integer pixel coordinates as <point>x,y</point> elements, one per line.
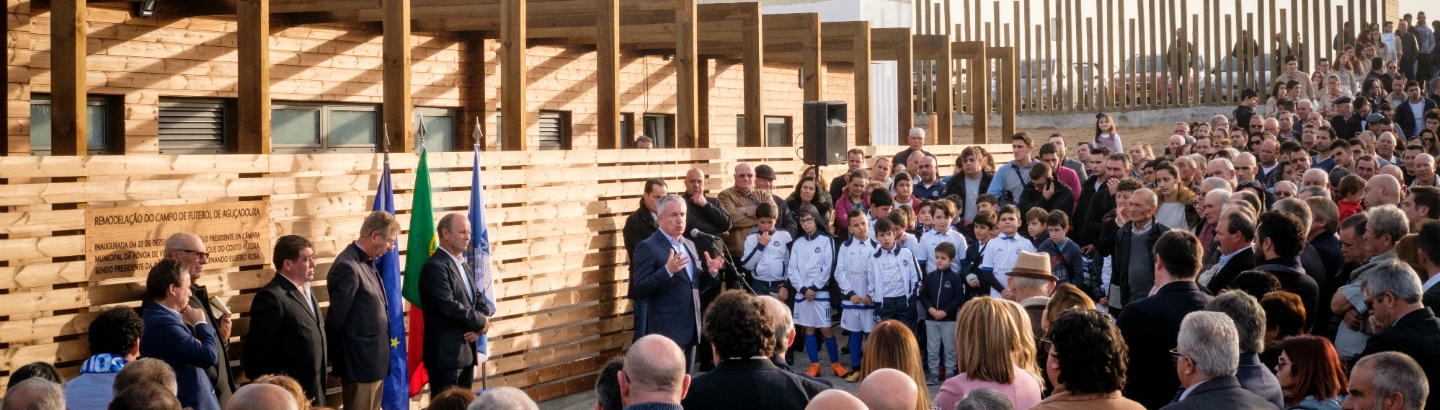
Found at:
<point>888,389</point>
<point>1424,169</point>
<point>835,399</point>
<point>705,213</point>
<point>654,374</point>
<point>782,320</point>
<point>1382,189</point>
<point>261,396</point>
<point>188,248</point>
<point>1394,171</point>
<point>739,202</point>
<point>1245,167</point>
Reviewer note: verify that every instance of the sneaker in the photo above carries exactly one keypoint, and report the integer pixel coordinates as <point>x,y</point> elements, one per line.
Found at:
<point>931,381</point>
<point>838,369</point>
<point>814,370</point>
<point>854,377</point>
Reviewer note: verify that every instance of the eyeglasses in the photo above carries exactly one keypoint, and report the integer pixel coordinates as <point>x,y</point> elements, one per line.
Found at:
<point>1370,302</point>
<point>1176,355</point>
<point>196,253</point>
<point>804,220</point>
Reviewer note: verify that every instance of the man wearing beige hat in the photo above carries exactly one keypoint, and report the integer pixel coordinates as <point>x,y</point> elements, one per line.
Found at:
<point>1030,283</point>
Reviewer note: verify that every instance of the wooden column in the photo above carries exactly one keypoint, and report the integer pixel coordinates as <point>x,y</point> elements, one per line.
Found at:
<point>607,69</point>
<point>686,107</point>
<point>944,89</point>
<point>396,67</point>
<point>754,63</point>
<point>68,90</point>
<point>974,52</point>
<point>814,75</point>
<point>861,50</point>
<point>253,100</point>
<point>514,119</point>
<point>702,102</point>
<point>1007,80</point>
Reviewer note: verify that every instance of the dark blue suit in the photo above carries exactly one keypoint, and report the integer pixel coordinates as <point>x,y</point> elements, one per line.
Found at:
<point>1254,377</point>
<point>673,300</point>
<point>1222,392</point>
<point>187,352</point>
<point>1150,326</point>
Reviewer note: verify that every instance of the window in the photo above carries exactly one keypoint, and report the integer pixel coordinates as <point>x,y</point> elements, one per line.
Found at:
<point>554,130</point>
<point>99,138</point>
<point>300,127</point>
<point>777,131</point>
<point>441,129</point>
<point>659,127</point>
<point>196,126</point>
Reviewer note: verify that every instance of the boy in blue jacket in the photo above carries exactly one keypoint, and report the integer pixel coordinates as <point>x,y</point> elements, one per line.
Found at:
<point>1066,262</point>
<point>941,294</point>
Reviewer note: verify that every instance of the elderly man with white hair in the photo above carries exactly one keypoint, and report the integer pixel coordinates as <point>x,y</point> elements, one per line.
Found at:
<point>916,138</point>
<point>1389,380</point>
<point>1424,170</point>
<point>1209,209</point>
<point>1384,226</point>
<point>503,398</point>
<point>35,393</point>
<point>1206,360</point>
<point>1223,169</point>
<point>1177,147</point>
<point>261,396</point>
<point>1402,322</point>
<point>1315,177</point>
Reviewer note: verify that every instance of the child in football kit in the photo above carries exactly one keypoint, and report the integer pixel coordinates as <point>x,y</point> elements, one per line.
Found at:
<point>811,256</point>
<point>852,273</point>
<point>766,253</point>
<point>1000,252</point>
<point>941,211</point>
<point>894,277</point>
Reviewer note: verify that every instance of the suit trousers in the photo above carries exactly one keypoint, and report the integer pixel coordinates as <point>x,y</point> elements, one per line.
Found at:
<point>361,396</point>
<point>442,378</point>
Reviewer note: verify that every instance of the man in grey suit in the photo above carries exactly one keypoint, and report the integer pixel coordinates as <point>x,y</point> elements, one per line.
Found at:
<point>188,248</point>
<point>455,311</point>
<point>357,329</point>
<point>668,275</point>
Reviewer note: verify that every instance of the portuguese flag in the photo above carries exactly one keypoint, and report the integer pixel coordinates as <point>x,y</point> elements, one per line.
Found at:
<point>417,251</point>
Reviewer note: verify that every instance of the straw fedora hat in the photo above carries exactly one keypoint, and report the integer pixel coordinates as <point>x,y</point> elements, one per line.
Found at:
<point>1033,266</point>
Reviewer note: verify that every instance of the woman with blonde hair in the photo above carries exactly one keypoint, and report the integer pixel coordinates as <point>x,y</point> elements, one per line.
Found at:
<point>891,345</point>
<point>994,348</point>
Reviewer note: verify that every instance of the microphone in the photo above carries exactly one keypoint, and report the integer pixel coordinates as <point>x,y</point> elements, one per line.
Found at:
<point>697,232</point>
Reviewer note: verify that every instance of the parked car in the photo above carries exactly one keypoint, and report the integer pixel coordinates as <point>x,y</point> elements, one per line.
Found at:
<point>1147,76</point>
<point>1229,80</point>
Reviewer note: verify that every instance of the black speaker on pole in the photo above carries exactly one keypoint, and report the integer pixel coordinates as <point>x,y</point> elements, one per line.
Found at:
<point>825,133</point>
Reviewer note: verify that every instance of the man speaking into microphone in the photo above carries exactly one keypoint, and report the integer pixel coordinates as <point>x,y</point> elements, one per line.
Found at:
<point>668,275</point>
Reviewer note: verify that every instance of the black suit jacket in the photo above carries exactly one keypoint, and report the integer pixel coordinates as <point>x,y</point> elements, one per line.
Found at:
<point>1150,326</point>
<point>1082,212</point>
<point>219,374</point>
<point>673,301</point>
<point>638,226</point>
<point>710,219</point>
<point>1222,392</point>
<point>759,383</point>
<point>286,338</point>
<point>357,329</point>
<point>1431,296</point>
<point>1243,261</point>
<point>450,311</point>
<point>1417,334</point>
<point>1294,280</point>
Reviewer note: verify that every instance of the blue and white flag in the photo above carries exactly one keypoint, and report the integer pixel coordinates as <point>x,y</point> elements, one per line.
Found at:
<point>479,252</point>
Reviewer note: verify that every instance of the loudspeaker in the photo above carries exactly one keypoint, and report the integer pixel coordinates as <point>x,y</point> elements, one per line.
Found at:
<point>825,133</point>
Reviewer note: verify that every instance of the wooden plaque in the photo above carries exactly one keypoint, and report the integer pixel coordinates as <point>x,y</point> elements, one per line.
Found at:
<point>126,242</point>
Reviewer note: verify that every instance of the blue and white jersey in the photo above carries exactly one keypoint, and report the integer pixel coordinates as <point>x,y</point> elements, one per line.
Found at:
<point>810,260</point>
<point>916,249</point>
<point>893,273</point>
<point>767,262</point>
<point>852,267</point>
<point>1000,254</point>
<point>931,239</point>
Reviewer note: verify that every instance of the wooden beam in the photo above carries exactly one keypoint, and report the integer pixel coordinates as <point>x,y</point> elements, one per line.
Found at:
<point>938,48</point>
<point>514,121</point>
<point>702,101</point>
<point>253,100</point>
<point>686,106</point>
<point>303,6</point>
<point>979,68</point>
<point>754,65</point>
<point>68,127</point>
<point>861,52</point>
<point>1008,84</point>
<point>607,77</point>
<point>813,75</point>
<point>899,46</point>
<point>395,65</point>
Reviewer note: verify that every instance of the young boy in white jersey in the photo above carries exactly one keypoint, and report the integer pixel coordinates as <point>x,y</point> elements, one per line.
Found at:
<point>1000,252</point>
<point>852,273</point>
<point>901,219</point>
<point>894,277</point>
<point>766,253</point>
<point>942,211</point>
<point>811,256</point>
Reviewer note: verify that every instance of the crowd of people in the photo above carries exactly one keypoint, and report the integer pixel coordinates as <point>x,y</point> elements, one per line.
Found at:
<point>1281,259</point>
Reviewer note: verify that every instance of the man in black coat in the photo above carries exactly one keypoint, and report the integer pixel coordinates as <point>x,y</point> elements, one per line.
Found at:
<point>1045,192</point>
<point>1429,253</point>
<point>1402,323</point>
<point>287,334</point>
<point>854,161</point>
<point>1279,237</point>
<point>454,309</point>
<point>745,378</point>
<point>1090,188</point>
<point>1117,167</point>
<point>641,223</point>
<point>1151,325</point>
<point>357,328</point>
<point>705,213</point>
<point>1205,361</point>
<point>969,163</point>
<point>1233,234</point>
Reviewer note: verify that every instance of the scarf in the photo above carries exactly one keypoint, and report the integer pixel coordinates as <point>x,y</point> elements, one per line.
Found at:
<point>103,363</point>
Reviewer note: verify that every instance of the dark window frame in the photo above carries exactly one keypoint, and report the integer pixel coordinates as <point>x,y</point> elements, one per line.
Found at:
<point>113,124</point>
<point>324,146</point>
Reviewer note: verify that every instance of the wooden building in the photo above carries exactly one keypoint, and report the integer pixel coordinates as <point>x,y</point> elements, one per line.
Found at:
<point>270,114</point>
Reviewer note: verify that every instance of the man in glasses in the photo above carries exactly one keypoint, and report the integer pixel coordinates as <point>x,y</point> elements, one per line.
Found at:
<point>188,248</point>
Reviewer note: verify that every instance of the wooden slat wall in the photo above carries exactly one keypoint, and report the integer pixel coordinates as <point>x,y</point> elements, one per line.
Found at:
<point>556,218</point>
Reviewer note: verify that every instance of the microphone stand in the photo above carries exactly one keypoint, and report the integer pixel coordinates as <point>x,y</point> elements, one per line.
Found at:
<point>731,268</point>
